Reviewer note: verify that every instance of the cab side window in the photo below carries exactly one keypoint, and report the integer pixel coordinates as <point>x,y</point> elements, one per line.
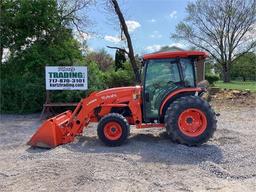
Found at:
<point>188,72</point>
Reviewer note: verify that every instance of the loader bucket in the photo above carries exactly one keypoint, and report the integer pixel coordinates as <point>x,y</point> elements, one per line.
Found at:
<point>52,132</point>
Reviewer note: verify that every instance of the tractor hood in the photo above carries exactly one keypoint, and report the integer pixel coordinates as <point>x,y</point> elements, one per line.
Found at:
<point>118,90</point>
<point>122,94</point>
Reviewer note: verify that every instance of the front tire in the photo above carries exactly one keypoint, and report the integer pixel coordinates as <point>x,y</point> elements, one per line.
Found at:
<point>113,129</point>
<point>190,120</point>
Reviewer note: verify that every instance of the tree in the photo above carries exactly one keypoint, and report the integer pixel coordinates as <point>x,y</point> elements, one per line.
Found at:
<point>102,58</point>
<point>25,22</point>
<point>114,4</point>
<point>37,34</point>
<point>245,67</point>
<point>225,29</point>
<point>121,77</point>
<point>119,59</point>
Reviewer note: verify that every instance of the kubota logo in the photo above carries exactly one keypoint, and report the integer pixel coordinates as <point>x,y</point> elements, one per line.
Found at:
<point>92,101</point>
<point>108,96</point>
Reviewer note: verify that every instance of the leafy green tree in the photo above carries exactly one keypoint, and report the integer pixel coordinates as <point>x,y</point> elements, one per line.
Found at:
<point>245,67</point>
<point>37,33</point>
<point>23,75</point>
<point>96,78</point>
<point>24,22</point>
<point>121,77</point>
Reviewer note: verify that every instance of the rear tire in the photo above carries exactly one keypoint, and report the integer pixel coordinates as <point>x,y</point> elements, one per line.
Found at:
<point>113,129</point>
<point>190,120</point>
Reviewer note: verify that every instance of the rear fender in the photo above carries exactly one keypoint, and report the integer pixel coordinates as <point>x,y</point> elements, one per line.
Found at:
<point>173,96</point>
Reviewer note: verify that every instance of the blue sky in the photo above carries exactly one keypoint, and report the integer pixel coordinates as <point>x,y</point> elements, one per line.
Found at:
<point>150,23</point>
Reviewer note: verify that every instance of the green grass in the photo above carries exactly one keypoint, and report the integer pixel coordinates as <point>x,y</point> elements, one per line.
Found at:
<point>239,85</point>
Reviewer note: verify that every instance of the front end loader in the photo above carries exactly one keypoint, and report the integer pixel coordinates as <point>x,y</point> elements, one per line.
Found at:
<point>168,97</point>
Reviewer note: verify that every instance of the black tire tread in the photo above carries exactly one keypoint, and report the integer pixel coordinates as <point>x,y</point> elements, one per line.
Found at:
<point>174,110</point>
<point>121,120</point>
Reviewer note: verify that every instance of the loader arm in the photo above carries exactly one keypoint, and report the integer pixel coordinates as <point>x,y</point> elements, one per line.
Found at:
<point>63,128</point>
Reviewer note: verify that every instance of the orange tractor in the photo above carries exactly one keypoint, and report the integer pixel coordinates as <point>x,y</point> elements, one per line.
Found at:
<point>168,97</point>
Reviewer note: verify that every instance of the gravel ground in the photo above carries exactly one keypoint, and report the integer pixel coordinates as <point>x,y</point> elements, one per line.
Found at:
<point>149,161</point>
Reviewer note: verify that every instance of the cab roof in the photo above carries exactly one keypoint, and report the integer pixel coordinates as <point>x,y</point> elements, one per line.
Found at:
<point>175,54</point>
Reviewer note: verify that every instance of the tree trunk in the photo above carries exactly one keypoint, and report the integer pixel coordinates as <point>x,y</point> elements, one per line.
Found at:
<point>226,73</point>
<point>128,38</point>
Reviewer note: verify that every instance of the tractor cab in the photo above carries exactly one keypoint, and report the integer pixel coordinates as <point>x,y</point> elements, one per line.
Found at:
<point>166,72</point>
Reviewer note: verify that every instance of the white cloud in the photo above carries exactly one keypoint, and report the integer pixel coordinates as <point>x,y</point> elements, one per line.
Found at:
<point>152,20</point>
<point>112,39</point>
<point>132,25</point>
<point>153,48</point>
<point>156,35</point>
<point>173,14</point>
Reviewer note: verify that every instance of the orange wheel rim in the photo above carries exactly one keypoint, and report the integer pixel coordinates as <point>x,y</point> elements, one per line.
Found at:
<point>192,122</point>
<point>112,131</point>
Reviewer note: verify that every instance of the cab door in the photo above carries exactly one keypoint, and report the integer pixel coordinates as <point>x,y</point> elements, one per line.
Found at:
<point>161,76</point>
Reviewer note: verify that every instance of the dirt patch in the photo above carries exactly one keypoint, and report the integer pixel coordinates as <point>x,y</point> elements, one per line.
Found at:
<point>149,161</point>
<point>234,98</point>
